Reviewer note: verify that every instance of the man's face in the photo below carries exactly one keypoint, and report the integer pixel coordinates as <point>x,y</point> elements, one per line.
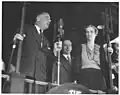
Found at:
<point>67,47</point>
<point>90,33</point>
<point>116,46</point>
<point>44,21</point>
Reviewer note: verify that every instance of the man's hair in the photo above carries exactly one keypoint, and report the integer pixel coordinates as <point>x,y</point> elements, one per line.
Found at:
<point>67,40</point>
<point>37,14</point>
<point>42,13</point>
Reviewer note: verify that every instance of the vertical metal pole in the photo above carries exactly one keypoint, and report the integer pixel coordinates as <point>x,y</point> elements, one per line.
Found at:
<point>20,43</point>
<point>58,72</point>
<point>108,24</point>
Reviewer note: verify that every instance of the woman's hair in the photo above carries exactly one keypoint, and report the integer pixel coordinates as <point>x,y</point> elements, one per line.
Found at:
<point>92,26</point>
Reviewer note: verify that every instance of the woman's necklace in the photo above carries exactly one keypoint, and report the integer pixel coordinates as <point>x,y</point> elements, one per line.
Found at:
<point>90,52</point>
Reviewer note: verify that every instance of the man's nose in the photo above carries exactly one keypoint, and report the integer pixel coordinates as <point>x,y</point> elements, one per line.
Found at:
<point>68,47</point>
<point>49,20</point>
<point>89,34</point>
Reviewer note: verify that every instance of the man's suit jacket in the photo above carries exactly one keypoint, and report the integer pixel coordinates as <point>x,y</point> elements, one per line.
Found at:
<point>65,70</point>
<point>33,59</point>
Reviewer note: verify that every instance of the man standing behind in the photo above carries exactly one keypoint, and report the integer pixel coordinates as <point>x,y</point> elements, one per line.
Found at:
<point>35,49</point>
<point>65,64</point>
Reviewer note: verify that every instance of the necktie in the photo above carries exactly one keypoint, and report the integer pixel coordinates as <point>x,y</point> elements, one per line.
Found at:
<point>41,34</point>
<point>69,59</point>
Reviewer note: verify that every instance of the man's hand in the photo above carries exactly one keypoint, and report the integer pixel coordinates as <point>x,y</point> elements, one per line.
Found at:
<point>3,66</point>
<point>57,47</point>
<point>19,37</point>
<point>12,68</point>
<point>110,50</point>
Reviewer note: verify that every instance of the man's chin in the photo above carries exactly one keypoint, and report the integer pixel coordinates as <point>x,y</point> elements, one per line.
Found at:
<point>89,39</point>
<point>46,27</point>
<point>67,52</point>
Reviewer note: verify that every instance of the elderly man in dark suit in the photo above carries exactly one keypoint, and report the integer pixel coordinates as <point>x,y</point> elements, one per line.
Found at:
<point>35,49</point>
<point>66,61</point>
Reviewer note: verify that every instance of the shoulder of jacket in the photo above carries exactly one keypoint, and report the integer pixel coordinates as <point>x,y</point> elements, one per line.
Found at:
<point>72,57</point>
<point>97,46</point>
<point>83,45</point>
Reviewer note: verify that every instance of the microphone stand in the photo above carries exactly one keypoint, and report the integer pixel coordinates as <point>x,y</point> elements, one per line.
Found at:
<point>60,36</point>
<point>58,64</point>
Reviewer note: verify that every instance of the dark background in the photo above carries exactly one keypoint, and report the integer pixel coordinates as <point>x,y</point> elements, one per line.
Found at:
<point>76,15</point>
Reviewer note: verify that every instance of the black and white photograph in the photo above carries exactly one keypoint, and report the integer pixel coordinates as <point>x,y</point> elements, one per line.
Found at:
<point>59,47</point>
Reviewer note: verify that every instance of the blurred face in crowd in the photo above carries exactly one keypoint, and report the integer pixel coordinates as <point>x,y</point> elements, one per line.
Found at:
<point>90,33</point>
<point>43,20</point>
<point>116,48</point>
<point>67,47</point>
<point>115,54</point>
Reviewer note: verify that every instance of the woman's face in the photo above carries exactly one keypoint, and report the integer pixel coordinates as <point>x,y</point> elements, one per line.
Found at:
<point>90,33</point>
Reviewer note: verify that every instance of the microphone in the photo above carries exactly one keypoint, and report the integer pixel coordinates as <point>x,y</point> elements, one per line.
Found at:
<point>61,23</point>
<point>100,27</point>
<point>60,27</point>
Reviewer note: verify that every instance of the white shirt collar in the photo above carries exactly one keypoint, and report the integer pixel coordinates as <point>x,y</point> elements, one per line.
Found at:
<point>66,56</point>
<point>38,29</point>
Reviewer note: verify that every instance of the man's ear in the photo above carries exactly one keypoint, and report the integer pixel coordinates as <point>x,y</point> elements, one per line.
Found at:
<point>38,18</point>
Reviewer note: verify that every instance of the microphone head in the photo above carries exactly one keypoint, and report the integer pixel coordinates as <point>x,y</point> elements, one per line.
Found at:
<point>100,27</point>
<point>61,23</point>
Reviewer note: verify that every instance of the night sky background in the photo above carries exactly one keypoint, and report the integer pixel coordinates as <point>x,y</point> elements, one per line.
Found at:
<point>76,15</point>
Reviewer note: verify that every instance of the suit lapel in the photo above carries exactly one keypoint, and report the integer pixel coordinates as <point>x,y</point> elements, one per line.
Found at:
<point>72,58</point>
<point>36,35</point>
<point>65,63</point>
